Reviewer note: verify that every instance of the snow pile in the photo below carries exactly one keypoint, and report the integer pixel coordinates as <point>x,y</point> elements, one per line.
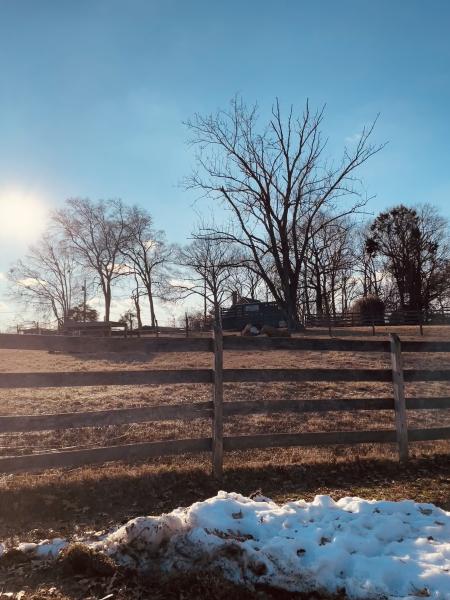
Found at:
<point>369,549</point>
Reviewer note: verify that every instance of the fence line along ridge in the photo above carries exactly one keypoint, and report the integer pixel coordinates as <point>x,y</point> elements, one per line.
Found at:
<point>219,408</point>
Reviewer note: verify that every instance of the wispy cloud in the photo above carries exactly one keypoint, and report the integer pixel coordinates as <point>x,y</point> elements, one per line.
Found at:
<point>354,138</point>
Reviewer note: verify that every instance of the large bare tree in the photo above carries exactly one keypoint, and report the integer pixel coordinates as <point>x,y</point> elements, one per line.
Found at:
<point>47,278</point>
<point>271,179</point>
<point>97,233</point>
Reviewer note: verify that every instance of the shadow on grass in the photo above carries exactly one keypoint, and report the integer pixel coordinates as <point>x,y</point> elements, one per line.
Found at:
<point>122,358</point>
<point>102,497</point>
<point>114,357</point>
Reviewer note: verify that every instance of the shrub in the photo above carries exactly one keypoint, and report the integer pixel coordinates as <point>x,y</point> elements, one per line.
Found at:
<point>370,309</point>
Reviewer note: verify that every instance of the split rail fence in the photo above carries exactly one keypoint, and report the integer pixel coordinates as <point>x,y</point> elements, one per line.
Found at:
<point>217,409</point>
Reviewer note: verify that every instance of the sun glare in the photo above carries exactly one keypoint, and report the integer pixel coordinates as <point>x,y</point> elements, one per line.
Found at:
<point>23,216</point>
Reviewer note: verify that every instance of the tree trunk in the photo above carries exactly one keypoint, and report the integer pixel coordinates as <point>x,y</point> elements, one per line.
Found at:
<point>152,306</point>
<point>217,319</point>
<point>137,306</point>
<point>333,294</point>
<point>318,289</point>
<point>55,313</point>
<point>319,301</point>
<point>107,294</point>
<point>306,302</point>
<point>290,309</point>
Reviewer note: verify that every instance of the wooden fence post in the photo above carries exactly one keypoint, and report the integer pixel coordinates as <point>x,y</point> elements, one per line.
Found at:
<point>399,397</point>
<point>217,434</point>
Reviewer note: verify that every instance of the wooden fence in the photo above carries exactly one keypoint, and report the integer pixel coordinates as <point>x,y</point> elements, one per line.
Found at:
<point>390,317</point>
<point>217,409</point>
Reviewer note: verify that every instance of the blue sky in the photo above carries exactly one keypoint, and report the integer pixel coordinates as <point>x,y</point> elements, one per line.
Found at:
<point>93,93</point>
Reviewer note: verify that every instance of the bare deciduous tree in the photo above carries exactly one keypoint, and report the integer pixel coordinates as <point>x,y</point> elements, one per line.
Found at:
<point>247,283</point>
<point>47,278</point>
<point>329,260</point>
<point>97,233</point>
<point>206,267</point>
<point>271,181</point>
<point>146,253</point>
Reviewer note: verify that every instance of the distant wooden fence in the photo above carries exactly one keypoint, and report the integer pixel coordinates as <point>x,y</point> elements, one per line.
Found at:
<point>217,410</point>
<point>390,317</point>
<point>102,328</point>
<point>94,328</point>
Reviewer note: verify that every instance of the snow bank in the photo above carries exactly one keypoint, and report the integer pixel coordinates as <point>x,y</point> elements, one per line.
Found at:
<point>370,549</point>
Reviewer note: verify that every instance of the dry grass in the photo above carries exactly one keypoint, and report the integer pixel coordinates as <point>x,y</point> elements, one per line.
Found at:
<point>61,502</point>
<point>53,400</point>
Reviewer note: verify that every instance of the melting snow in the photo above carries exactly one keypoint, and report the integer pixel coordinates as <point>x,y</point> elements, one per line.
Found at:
<point>45,549</point>
<point>370,549</point>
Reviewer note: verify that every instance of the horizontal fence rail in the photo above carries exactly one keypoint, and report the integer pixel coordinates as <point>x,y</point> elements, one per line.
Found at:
<point>183,376</point>
<point>201,410</point>
<point>285,440</point>
<point>79,458</point>
<point>280,375</point>
<point>70,344</point>
<point>219,409</point>
<point>250,407</point>
<point>143,450</point>
<point>103,378</point>
<point>308,344</point>
<point>230,342</point>
<point>330,375</point>
<point>102,418</point>
<point>330,345</point>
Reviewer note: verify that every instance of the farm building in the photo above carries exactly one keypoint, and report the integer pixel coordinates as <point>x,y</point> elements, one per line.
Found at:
<point>94,328</point>
<point>249,310</point>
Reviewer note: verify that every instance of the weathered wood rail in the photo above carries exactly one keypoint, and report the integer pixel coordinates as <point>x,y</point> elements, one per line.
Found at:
<point>217,410</point>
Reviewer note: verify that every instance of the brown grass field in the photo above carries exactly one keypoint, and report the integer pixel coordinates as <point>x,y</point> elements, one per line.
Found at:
<point>64,502</point>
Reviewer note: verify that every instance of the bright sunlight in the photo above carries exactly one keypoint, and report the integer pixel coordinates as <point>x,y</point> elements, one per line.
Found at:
<point>22,215</point>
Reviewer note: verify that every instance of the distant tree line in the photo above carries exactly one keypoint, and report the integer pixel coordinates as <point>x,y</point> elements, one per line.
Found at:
<point>295,234</point>
<point>95,245</point>
<point>295,217</point>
